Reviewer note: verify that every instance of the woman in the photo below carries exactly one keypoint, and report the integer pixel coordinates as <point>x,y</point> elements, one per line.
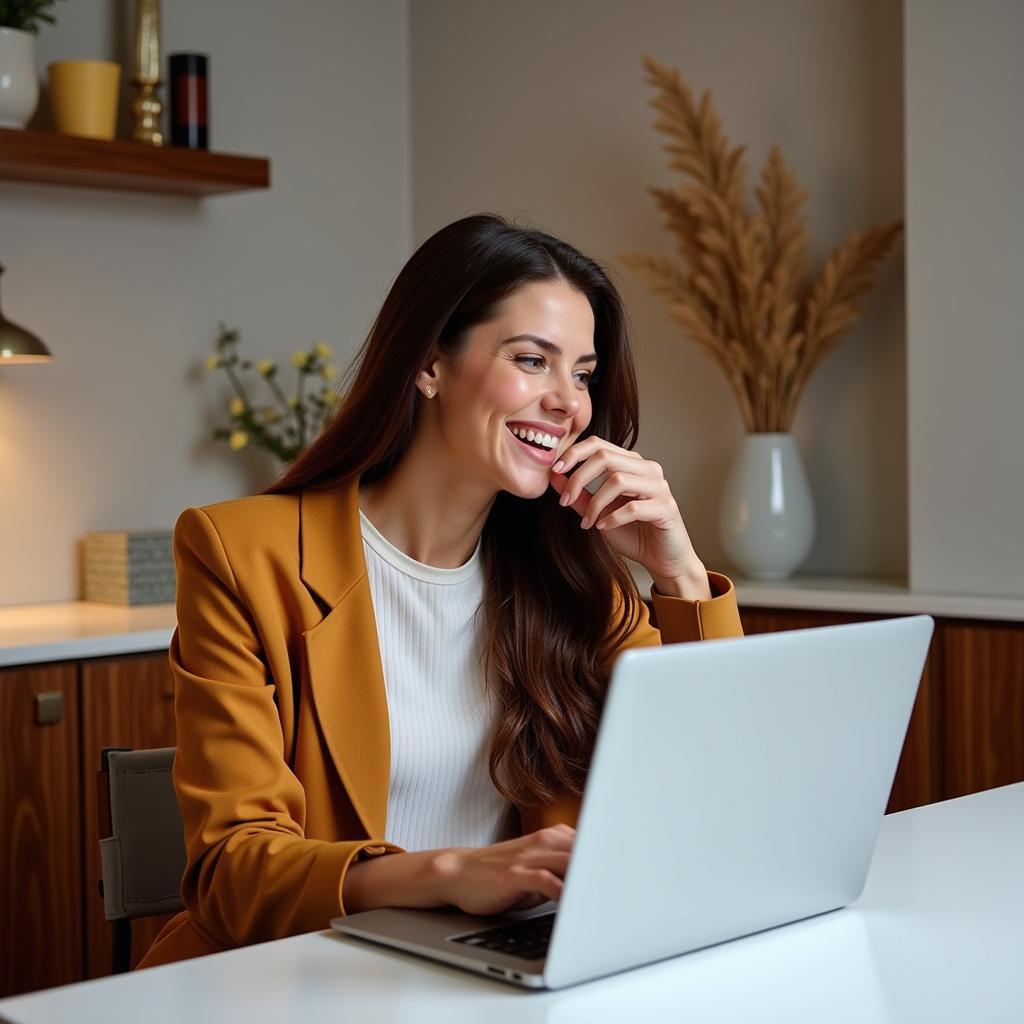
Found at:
<point>390,666</point>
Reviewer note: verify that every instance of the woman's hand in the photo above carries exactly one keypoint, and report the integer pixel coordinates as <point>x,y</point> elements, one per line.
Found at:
<point>635,511</point>
<point>514,875</point>
<point>517,874</point>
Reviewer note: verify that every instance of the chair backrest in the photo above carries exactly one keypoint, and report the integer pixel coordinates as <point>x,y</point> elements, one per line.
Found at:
<point>142,853</point>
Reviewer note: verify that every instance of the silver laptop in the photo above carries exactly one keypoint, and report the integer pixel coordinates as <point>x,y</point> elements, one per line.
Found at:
<point>736,785</point>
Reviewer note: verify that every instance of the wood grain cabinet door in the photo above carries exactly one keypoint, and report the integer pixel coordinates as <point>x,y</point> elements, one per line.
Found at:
<point>983,711</point>
<point>41,844</point>
<point>127,701</point>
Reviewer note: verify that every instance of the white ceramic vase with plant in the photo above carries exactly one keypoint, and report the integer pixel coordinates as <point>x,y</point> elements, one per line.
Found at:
<point>740,289</point>
<point>19,83</point>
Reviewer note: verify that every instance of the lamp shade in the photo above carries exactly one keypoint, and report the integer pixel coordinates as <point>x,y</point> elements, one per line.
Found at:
<point>18,345</point>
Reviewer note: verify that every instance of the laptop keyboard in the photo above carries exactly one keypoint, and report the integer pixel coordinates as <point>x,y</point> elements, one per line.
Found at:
<point>527,939</point>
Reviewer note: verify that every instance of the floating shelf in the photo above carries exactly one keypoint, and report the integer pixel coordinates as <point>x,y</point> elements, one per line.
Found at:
<point>54,159</point>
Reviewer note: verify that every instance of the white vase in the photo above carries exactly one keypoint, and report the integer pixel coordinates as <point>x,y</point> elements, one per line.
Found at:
<point>19,85</point>
<point>766,519</point>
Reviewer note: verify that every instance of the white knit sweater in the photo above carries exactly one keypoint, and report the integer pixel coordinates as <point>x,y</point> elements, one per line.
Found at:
<point>441,715</point>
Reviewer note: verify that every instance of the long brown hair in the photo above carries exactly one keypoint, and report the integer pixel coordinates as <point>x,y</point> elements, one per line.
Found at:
<point>550,588</point>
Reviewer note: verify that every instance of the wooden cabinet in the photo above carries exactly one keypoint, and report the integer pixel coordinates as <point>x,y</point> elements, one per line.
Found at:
<point>126,702</point>
<point>41,846</point>
<point>52,928</point>
<point>966,733</point>
<point>982,709</point>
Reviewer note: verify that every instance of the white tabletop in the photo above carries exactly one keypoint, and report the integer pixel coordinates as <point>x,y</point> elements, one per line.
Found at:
<point>937,936</point>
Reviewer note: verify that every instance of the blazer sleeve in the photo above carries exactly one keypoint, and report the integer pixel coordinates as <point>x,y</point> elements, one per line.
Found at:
<point>680,620</point>
<point>251,873</point>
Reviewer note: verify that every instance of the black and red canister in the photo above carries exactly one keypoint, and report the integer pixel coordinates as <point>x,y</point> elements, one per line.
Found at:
<point>189,100</point>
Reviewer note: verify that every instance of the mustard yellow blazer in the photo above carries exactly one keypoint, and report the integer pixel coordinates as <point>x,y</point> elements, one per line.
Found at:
<point>282,723</point>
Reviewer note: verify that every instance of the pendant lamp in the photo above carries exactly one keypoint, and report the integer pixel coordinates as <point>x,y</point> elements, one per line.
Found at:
<point>18,345</point>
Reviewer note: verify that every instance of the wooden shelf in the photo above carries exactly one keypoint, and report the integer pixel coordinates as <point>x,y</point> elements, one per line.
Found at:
<point>54,159</point>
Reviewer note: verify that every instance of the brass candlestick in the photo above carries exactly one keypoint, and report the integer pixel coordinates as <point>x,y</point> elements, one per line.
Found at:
<point>146,104</point>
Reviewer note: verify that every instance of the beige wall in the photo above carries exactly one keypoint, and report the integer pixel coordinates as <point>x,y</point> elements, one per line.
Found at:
<point>539,109</point>
<point>965,346</point>
<point>128,289</point>
<point>535,109</point>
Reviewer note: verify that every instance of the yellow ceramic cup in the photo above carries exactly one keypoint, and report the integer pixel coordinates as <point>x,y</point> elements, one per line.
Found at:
<point>84,97</point>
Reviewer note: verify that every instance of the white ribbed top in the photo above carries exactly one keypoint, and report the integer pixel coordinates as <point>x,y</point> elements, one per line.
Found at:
<point>441,714</point>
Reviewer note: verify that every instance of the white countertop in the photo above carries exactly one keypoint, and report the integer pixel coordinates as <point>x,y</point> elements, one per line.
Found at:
<point>871,596</point>
<point>35,633</point>
<point>30,634</point>
<point>937,936</point>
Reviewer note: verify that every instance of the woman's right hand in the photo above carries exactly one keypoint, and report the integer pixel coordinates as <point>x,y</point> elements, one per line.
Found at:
<point>516,874</point>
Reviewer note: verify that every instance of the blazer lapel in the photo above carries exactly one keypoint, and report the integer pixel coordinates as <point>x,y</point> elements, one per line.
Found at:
<point>343,652</point>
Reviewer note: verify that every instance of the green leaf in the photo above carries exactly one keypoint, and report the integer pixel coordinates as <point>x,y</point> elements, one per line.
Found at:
<point>25,15</point>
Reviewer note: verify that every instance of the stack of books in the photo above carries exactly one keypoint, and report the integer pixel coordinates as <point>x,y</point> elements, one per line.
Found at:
<point>129,566</point>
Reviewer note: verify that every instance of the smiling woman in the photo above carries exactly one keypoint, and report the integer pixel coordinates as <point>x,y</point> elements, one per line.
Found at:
<point>403,646</point>
<point>507,385</point>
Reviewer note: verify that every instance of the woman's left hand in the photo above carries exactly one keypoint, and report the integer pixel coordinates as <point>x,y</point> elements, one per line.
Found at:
<point>635,511</point>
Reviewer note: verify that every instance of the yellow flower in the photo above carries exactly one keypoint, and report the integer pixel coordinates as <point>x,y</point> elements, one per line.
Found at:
<point>293,402</point>
<point>299,359</point>
<point>238,440</point>
<point>328,372</point>
<point>272,415</point>
<point>237,407</point>
<point>322,350</point>
<point>212,362</point>
<point>265,366</point>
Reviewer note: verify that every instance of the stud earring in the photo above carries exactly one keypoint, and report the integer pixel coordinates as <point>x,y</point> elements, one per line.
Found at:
<point>428,391</point>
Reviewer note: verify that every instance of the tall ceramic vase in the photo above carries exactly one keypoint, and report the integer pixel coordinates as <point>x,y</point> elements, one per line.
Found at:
<point>766,520</point>
<point>19,85</point>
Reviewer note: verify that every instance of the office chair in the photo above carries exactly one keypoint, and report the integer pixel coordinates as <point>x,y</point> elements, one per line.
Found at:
<point>142,848</point>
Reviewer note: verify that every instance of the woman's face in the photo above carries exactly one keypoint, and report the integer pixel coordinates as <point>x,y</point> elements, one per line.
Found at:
<point>527,369</point>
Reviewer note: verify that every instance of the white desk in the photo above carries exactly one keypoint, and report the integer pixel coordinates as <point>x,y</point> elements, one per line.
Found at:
<point>937,936</point>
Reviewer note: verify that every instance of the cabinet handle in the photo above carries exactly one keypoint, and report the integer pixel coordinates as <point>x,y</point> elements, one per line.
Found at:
<point>49,707</point>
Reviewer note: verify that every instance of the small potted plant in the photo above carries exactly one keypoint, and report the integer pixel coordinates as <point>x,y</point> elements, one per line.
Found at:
<point>19,85</point>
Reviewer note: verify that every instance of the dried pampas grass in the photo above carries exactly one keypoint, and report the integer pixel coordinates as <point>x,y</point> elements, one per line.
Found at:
<point>739,287</point>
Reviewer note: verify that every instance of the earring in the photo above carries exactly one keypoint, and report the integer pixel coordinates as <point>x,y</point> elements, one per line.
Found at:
<point>428,391</point>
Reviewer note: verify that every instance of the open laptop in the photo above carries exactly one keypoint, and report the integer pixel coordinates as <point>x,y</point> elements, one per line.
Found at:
<point>736,785</point>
